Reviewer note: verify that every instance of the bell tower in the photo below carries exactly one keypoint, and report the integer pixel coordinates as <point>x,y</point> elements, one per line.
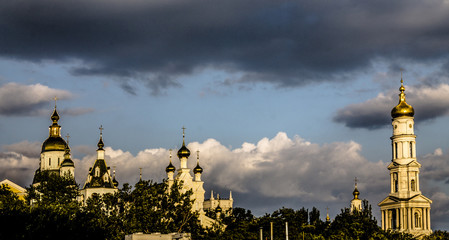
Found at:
<point>405,209</point>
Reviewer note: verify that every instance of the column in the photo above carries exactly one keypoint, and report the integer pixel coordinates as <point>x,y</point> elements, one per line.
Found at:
<point>401,219</point>
<point>417,182</point>
<point>409,219</point>
<point>391,182</point>
<point>424,218</point>
<point>428,218</point>
<point>383,219</point>
<point>412,216</point>
<point>397,218</point>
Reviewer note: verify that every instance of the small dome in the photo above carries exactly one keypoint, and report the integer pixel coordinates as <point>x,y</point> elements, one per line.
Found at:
<point>170,168</point>
<point>402,109</point>
<point>198,169</point>
<point>100,144</point>
<point>55,116</point>
<point>67,163</point>
<point>54,144</point>
<point>183,151</point>
<point>356,193</point>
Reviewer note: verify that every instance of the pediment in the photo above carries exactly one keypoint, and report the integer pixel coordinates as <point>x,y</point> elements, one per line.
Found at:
<point>414,163</point>
<point>388,200</point>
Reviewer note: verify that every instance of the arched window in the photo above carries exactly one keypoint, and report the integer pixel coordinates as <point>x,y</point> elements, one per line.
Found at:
<point>417,220</point>
<point>49,162</point>
<point>413,185</point>
<point>97,172</point>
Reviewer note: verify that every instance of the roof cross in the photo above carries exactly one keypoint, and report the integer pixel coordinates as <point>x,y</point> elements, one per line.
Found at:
<point>67,136</point>
<point>101,130</point>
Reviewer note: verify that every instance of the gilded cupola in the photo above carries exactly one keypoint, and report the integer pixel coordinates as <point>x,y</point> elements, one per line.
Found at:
<point>170,167</point>
<point>402,109</point>
<point>183,152</point>
<point>67,159</point>
<point>198,169</point>
<point>54,142</point>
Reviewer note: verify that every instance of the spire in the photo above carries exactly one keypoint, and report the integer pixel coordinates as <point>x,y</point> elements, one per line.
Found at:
<point>356,191</point>
<point>55,116</point>
<point>328,219</point>
<point>100,142</point>
<point>140,175</point>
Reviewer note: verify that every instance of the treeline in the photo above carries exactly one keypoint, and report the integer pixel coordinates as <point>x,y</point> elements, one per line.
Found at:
<point>51,212</point>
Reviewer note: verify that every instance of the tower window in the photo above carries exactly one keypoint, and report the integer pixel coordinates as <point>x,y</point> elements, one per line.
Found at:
<point>395,181</point>
<point>396,150</point>
<point>417,220</point>
<point>413,185</point>
<point>97,172</point>
<point>49,162</point>
<point>411,149</point>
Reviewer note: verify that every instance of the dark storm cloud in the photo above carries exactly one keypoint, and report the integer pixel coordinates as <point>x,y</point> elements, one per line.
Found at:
<point>429,102</point>
<point>287,43</point>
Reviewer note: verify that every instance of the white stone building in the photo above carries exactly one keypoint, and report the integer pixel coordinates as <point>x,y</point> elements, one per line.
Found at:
<point>55,153</point>
<point>356,202</point>
<point>99,179</point>
<point>195,184</point>
<point>405,209</point>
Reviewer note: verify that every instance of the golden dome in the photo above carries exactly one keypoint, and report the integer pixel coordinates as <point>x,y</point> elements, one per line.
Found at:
<point>402,109</point>
<point>356,193</point>
<point>54,144</point>
<point>170,168</point>
<point>183,151</point>
<point>198,169</point>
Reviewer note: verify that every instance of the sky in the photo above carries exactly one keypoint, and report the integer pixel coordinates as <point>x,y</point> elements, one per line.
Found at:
<point>286,101</point>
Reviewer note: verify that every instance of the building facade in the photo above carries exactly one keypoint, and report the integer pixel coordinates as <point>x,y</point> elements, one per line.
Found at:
<point>55,153</point>
<point>99,179</point>
<point>405,209</point>
<point>195,183</point>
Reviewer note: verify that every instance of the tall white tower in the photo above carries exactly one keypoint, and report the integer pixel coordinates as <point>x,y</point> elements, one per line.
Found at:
<point>405,209</point>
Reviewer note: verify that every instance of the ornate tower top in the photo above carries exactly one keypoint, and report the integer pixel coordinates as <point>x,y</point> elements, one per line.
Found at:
<point>402,109</point>
<point>198,169</point>
<point>170,167</point>
<point>183,152</point>
<point>100,142</point>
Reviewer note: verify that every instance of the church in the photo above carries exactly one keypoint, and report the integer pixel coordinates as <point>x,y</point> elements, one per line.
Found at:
<point>405,209</point>
<point>55,157</point>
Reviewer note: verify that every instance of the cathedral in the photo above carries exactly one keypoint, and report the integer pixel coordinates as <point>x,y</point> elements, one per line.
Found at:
<point>405,209</point>
<point>55,157</point>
